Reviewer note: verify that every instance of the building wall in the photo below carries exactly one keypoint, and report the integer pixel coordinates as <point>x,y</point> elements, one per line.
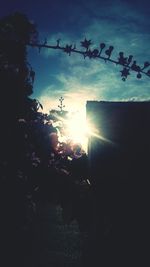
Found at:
<point>123,148</point>
<point>120,172</point>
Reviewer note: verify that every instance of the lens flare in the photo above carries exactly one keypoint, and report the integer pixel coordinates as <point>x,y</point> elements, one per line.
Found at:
<point>77,129</point>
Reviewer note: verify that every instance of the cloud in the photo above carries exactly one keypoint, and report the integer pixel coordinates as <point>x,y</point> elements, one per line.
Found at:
<point>52,40</point>
<point>79,80</point>
<point>94,81</point>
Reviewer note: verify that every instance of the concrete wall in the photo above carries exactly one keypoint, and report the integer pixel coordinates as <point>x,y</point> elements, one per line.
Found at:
<point>123,150</point>
<point>120,172</point>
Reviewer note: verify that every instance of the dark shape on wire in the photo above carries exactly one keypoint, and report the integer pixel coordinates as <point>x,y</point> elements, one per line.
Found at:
<point>86,43</point>
<point>129,60</point>
<point>146,65</point>
<point>108,52</point>
<point>124,73</point>
<point>102,46</point>
<point>148,73</point>
<point>68,49</point>
<point>135,67</point>
<point>122,60</point>
<point>89,53</point>
<point>95,53</point>
<point>139,75</point>
<point>58,42</point>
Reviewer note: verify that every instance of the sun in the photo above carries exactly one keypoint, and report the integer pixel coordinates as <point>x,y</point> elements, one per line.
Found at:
<point>77,129</point>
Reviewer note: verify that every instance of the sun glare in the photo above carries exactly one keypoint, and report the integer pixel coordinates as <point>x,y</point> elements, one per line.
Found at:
<point>74,127</point>
<point>77,129</point>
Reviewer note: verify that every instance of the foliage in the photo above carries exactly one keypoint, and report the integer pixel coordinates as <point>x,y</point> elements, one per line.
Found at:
<point>16,74</point>
<point>33,165</point>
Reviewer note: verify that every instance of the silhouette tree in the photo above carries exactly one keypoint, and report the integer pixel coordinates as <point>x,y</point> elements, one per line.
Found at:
<point>31,166</point>
<point>24,140</point>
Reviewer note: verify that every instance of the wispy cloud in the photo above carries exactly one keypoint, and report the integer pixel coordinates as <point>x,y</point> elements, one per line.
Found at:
<point>79,80</point>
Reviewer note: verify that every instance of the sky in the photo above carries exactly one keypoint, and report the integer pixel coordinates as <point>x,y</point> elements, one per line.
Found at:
<point>121,23</point>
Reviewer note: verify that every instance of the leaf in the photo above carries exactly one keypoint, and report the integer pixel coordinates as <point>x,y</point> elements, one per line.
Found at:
<point>86,43</point>
<point>129,60</point>
<point>135,67</point>
<point>89,54</point>
<point>68,49</point>
<point>146,65</point>
<point>139,76</point>
<point>148,73</point>
<point>125,72</point>
<point>122,60</point>
<point>95,52</point>
<point>102,46</point>
<point>40,105</point>
<point>108,52</point>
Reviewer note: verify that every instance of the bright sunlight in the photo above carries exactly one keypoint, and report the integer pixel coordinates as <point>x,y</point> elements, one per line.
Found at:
<point>77,129</point>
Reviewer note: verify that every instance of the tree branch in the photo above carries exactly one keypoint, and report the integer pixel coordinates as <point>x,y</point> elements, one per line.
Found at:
<point>127,63</point>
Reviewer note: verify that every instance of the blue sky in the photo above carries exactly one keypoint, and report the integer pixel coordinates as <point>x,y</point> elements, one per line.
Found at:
<point>123,24</point>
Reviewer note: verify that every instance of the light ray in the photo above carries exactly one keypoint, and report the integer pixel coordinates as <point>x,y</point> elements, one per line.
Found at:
<point>77,129</point>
